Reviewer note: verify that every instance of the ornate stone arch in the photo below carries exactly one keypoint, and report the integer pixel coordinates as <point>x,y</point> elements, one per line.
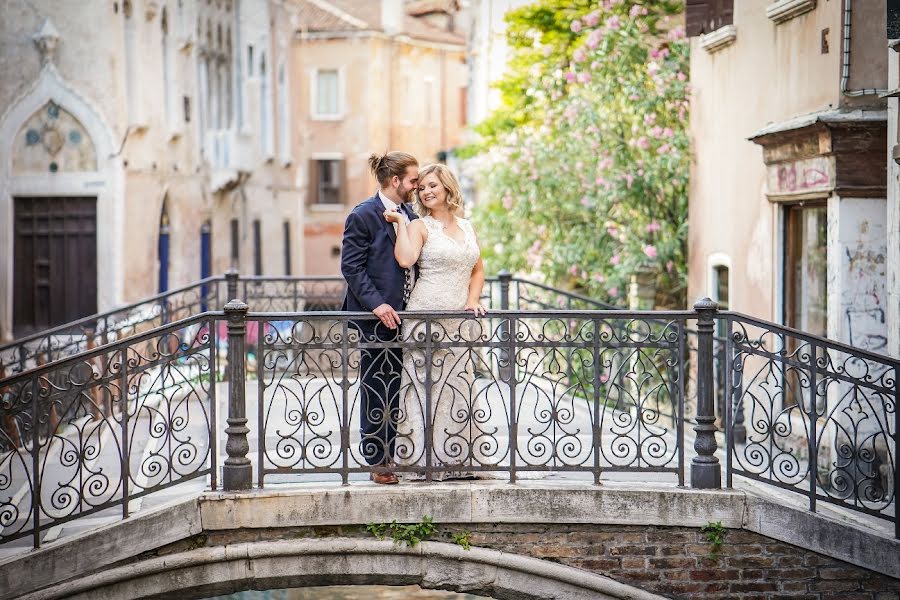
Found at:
<point>96,173</point>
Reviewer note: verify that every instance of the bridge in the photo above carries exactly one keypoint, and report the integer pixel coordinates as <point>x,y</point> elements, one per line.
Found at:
<point>582,421</point>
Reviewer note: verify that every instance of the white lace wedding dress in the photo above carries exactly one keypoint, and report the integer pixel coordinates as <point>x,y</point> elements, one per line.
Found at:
<point>459,421</point>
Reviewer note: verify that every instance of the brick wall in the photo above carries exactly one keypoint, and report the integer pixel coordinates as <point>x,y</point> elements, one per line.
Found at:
<point>676,562</point>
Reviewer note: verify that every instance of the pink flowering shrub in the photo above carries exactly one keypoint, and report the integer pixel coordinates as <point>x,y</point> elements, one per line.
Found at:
<point>597,158</point>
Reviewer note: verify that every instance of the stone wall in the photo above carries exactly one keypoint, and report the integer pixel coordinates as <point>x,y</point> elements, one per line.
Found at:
<point>677,562</point>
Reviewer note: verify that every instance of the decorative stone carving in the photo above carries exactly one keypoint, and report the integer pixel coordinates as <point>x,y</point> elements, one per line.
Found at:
<point>46,40</point>
<point>785,10</point>
<point>718,39</point>
<point>52,140</point>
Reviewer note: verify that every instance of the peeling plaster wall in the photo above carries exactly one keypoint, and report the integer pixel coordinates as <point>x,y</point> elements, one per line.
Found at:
<point>858,314</point>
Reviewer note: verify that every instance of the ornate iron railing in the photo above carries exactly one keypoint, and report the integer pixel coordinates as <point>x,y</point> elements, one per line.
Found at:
<point>104,328</point>
<point>97,430</point>
<point>514,394</point>
<point>272,294</point>
<point>268,293</point>
<point>518,393</point>
<point>821,417</point>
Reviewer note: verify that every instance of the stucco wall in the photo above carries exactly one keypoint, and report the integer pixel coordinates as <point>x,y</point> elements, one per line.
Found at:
<point>770,74</point>
<point>385,109</point>
<point>146,157</point>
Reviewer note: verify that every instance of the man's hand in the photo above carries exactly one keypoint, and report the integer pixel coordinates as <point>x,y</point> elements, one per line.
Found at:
<point>387,315</point>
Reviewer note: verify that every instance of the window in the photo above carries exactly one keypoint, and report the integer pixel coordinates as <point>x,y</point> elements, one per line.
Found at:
<point>429,99</point>
<point>327,100</point>
<point>235,244</point>
<point>133,83</point>
<point>257,247</point>
<point>284,117</point>
<point>805,268</point>
<point>327,182</point>
<point>463,106</point>
<point>287,247</point>
<point>265,109</point>
<point>805,285</point>
<point>720,276</point>
<point>706,16</point>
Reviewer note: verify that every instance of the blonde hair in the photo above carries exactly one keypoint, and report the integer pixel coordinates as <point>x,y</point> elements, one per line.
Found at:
<point>448,180</point>
<point>392,163</point>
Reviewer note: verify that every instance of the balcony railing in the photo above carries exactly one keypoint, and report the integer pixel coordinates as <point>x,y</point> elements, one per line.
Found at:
<point>528,390</point>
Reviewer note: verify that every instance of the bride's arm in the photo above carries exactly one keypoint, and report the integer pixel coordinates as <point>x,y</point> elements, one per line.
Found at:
<point>476,285</point>
<point>410,239</point>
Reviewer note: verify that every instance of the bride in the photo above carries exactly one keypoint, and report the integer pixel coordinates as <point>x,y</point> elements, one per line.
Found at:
<point>450,278</point>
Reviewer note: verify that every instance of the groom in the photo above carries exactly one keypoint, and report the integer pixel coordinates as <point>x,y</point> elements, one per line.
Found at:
<point>377,284</point>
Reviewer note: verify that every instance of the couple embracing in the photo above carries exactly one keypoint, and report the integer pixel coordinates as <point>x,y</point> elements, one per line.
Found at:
<point>400,257</point>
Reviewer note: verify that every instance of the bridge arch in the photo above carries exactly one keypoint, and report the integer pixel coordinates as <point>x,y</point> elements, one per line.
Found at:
<point>262,565</point>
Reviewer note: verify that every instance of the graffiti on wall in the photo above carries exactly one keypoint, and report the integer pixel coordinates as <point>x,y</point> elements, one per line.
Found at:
<point>801,176</point>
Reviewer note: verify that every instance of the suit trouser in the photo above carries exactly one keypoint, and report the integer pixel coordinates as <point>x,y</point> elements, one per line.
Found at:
<point>380,370</point>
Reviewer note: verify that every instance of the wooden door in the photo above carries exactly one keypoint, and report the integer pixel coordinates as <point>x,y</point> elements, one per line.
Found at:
<point>55,262</point>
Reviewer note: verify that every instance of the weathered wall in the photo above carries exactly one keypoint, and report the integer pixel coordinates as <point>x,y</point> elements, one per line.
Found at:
<point>146,156</point>
<point>861,251</point>
<point>772,73</point>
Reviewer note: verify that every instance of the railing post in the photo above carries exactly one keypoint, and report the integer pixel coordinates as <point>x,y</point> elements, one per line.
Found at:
<point>706,472</point>
<point>231,284</point>
<point>237,473</point>
<point>505,277</point>
<point>506,367</point>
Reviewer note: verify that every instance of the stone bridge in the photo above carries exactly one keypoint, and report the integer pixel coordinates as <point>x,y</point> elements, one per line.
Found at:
<point>117,468</point>
<point>530,540</point>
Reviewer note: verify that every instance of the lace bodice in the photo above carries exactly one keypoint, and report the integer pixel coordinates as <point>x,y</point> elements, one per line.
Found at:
<point>445,268</point>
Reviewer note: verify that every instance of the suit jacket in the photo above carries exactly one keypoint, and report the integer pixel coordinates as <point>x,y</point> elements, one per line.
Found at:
<point>367,259</point>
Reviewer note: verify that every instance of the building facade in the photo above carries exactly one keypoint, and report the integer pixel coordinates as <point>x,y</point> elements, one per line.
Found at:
<point>789,216</point>
<point>139,151</point>
<point>369,76</point>
<point>893,178</point>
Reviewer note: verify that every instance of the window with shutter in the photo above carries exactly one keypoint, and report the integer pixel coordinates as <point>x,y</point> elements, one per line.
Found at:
<point>327,177</point>
<point>706,16</point>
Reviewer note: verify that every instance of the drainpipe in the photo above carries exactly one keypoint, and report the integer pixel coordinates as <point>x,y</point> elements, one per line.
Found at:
<point>845,65</point>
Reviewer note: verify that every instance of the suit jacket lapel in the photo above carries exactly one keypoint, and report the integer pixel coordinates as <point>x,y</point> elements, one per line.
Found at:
<point>379,208</point>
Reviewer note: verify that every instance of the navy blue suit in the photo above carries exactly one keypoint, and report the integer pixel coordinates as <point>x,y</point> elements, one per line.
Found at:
<point>374,278</point>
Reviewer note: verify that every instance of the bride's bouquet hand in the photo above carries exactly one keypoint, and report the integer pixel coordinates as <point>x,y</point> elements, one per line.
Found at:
<point>476,308</point>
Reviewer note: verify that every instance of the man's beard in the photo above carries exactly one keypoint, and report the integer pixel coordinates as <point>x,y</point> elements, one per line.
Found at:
<point>406,195</point>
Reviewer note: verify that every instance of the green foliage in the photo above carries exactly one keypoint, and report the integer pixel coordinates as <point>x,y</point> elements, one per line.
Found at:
<point>410,534</point>
<point>585,167</point>
<point>715,534</point>
<point>463,539</point>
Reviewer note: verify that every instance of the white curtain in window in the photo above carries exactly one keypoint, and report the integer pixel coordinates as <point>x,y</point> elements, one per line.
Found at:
<point>327,92</point>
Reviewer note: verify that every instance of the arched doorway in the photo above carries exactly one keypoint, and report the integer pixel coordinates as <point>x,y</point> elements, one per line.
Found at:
<point>54,236</point>
<point>163,247</point>
<point>58,175</point>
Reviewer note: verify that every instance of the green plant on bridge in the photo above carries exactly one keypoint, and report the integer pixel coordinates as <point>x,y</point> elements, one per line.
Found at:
<point>463,539</point>
<point>715,534</point>
<point>411,534</point>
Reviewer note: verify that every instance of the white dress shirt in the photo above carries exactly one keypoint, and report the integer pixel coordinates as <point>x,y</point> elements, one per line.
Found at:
<point>391,205</point>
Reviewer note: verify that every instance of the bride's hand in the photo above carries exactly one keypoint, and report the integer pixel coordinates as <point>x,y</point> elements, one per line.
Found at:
<point>476,308</point>
<point>393,216</point>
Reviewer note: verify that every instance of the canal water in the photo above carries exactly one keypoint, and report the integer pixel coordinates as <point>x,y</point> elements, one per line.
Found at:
<point>351,592</point>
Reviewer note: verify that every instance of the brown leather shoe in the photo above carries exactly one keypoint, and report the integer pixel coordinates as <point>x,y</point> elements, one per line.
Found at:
<point>384,478</point>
